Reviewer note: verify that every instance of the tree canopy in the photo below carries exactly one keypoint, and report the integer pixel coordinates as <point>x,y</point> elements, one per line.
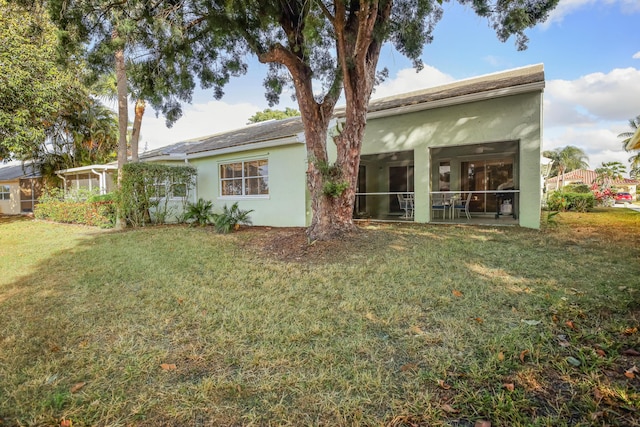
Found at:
<point>269,114</point>
<point>33,86</point>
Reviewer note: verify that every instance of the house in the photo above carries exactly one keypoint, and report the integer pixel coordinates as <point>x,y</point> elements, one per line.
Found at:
<point>477,140</point>
<point>589,177</point>
<point>20,188</point>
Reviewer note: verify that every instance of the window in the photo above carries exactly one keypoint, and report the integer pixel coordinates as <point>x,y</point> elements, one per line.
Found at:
<point>248,178</point>
<point>5,192</point>
<point>175,190</point>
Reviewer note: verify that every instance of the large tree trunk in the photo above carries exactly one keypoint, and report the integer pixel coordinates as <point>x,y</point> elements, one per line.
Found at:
<point>123,121</point>
<point>135,133</point>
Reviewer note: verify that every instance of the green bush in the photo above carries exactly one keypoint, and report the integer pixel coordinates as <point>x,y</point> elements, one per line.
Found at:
<point>199,213</point>
<point>231,218</point>
<point>577,188</point>
<point>564,201</point>
<point>53,207</point>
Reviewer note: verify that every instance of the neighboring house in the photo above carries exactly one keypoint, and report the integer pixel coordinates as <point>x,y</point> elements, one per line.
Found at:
<point>20,188</point>
<point>477,139</point>
<point>589,177</point>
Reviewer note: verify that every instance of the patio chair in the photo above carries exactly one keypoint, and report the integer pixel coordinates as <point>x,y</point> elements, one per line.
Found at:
<point>439,204</point>
<point>406,204</point>
<point>463,205</point>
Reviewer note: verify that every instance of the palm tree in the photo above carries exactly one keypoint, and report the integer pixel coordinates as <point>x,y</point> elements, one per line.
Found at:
<point>566,159</point>
<point>634,170</point>
<point>610,172</point>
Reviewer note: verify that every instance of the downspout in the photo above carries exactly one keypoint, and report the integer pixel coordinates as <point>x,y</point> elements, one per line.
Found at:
<point>100,182</point>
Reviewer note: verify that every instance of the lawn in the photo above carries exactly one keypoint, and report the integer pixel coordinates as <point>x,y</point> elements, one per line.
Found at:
<point>400,325</point>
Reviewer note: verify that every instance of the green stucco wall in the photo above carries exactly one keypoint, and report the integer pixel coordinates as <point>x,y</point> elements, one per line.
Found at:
<point>287,202</point>
<point>510,118</point>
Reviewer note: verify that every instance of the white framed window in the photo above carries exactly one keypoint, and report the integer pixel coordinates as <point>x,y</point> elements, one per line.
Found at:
<point>245,178</point>
<point>172,190</point>
<point>5,192</point>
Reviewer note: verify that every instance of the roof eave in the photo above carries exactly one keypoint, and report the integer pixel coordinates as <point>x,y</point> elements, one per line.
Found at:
<point>294,139</point>
<point>457,100</point>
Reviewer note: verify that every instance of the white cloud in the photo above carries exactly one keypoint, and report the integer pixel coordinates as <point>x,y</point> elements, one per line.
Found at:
<point>407,80</point>
<point>636,55</point>
<point>613,96</point>
<point>567,7</point>
<point>198,120</point>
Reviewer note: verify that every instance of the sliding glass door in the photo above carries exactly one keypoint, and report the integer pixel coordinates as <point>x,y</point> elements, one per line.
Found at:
<point>486,175</point>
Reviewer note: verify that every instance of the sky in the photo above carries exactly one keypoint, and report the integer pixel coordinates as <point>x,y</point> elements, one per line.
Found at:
<point>591,55</point>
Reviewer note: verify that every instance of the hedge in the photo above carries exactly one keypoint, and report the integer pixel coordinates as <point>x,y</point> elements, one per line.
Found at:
<point>97,214</point>
<point>561,201</point>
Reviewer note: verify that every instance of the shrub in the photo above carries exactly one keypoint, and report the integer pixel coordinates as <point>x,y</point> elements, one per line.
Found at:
<point>231,218</point>
<point>53,207</point>
<point>199,212</point>
<point>564,201</point>
<point>577,188</point>
<point>147,188</point>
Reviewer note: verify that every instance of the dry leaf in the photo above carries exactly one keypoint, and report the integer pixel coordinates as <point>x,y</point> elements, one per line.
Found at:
<point>509,386</point>
<point>457,293</point>
<point>501,356</point>
<point>449,409</point>
<point>523,354</point>
<point>76,387</point>
<point>482,423</point>
<point>168,366</point>
<point>478,319</point>
<point>630,331</point>
<point>600,352</point>
<point>416,330</point>
<point>554,318</point>
<point>631,352</point>
<point>66,423</point>
<point>409,367</point>
<point>597,394</point>
<point>570,324</point>
<point>631,372</point>
<point>443,385</point>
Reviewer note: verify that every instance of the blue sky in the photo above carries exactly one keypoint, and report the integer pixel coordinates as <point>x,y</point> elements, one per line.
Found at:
<point>590,50</point>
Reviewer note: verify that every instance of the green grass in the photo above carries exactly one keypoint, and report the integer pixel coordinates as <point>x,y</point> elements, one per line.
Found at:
<point>366,331</point>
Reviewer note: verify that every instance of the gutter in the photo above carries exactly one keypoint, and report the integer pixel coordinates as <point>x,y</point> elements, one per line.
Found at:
<point>296,139</point>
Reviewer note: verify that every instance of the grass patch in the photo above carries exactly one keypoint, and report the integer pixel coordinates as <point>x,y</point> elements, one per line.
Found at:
<point>399,325</point>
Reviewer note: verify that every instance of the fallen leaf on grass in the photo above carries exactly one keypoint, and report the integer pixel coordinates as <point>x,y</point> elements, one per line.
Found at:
<point>631,372</point>
<point>630,331</point>
<point>409,367</point>
<point>523,354</point>
<point>631,352</point>
<point>457,293</point>
<point>478,319</point>
<point>509,386</point>
<point>531,322</point>
<point>601,352</point>
<point>570,324</point>
<point>76,387</point>
<point>443,385</point>
<point>482,423</point>
<point>501,356</point>
<point>448,408</point>
<point>168,366</point>
<point>66,423</point>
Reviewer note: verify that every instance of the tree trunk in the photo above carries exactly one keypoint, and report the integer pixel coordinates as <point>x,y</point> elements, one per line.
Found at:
<point>123,121</point>
<point>135,133</point>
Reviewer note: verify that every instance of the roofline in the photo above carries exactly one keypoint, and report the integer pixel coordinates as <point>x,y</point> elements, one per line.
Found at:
<point>295,139</point>
<point>88,168</point>
<point>457,100</point>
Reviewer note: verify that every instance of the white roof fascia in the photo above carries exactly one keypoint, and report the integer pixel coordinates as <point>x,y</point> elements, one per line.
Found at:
<point>87,169</point>
<point>246,147</point>
<point>464,99</point>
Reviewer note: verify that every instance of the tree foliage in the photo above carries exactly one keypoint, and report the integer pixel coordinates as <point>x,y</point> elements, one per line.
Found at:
<point>32,84</point>
<point>634,167</point>
<point>269,114</point>
<point>566,159</point>
<point>609,173</point>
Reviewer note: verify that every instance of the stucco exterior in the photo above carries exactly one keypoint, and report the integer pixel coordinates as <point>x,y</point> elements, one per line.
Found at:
<point>284,206</point>
<point>516,118</point>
